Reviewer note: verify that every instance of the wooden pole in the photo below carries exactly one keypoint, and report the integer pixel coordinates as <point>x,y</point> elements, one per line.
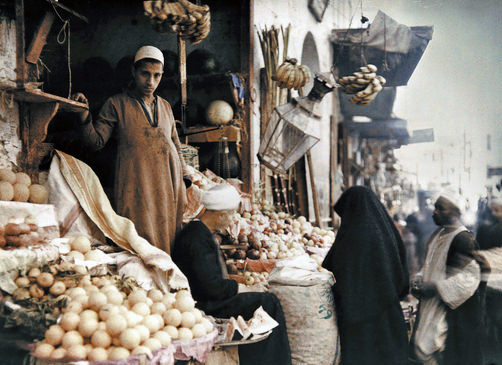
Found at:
<point>182,58</point>
<point>20,42</point>
<point>247,64</point>
<point>40,38</point>
<point>315,199</point>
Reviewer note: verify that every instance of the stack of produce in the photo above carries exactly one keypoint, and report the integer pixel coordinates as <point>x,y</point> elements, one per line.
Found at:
<point>20,233</point>
<point>18,187</point>
<point>105,317</point>
<point>365,84</point>
<point>101,322</point>
<point>192,22</point>
<point>272,236</point>
<point>291,75</point>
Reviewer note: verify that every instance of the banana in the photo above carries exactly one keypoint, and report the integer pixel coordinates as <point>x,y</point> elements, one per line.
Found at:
<point>370,76</point>
<point>197,16</point>
<point>280,71</point>
<point>365,84</point>
<point>288,67</point>
<point>365,92</point>
<point>306,74</point>
<point>291,78</point>
<point>147,5</point>
<point>194,8</point>
<point>299,79</point>
<point>362,81</point>
<point>368,99</point>
<point>355,99</point>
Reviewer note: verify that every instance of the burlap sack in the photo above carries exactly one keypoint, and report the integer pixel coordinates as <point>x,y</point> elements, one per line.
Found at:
<point>307,302</point>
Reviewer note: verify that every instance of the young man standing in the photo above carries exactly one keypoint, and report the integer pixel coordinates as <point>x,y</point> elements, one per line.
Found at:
<point>149,187</point>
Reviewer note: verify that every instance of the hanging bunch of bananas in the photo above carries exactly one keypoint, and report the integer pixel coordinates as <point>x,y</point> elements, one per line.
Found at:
<point>291,75</point>
<point>192,22</point>
<point>365,84</point>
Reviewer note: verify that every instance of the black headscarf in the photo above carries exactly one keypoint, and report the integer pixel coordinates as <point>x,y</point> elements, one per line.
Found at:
<point>367,258</point>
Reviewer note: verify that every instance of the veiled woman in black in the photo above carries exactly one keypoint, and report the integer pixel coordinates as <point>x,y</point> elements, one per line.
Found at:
<point>368,260</point>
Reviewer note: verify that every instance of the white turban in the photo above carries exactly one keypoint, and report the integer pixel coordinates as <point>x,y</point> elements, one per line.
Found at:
<point>221,197</point>
<point>451,194</point>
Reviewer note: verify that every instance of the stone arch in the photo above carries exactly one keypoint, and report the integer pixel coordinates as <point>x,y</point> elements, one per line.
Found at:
<point>310,58</point>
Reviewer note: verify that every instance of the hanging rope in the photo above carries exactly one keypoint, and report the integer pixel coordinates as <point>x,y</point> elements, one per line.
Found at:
<point>363,20</point>
<point>385,66</point>
<point>61,38</point>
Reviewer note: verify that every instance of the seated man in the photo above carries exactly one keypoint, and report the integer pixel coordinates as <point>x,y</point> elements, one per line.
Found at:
<point>198,255</point>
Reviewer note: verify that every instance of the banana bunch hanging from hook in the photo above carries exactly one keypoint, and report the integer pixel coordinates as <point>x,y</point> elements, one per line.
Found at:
<point>192,22</point>
<point>291,75</point>
<point>365,84</point>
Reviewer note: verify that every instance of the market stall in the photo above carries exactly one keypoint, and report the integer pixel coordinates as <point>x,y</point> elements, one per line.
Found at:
<point>79,283</point>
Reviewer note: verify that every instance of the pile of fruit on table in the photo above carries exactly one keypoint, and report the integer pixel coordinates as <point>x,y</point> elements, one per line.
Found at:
<point>268,237</point>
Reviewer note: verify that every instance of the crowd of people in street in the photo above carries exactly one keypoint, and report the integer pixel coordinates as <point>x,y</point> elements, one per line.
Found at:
<point>453,274</point>
<point>458,310</point>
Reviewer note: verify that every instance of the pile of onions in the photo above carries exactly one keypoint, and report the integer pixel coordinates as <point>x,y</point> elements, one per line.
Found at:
<point>102,323</point>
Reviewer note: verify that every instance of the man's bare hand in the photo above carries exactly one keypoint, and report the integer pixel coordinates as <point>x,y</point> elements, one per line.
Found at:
<point>81,99</point>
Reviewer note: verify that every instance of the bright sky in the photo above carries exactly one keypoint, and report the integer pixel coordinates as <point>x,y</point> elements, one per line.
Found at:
<point>455,89</point>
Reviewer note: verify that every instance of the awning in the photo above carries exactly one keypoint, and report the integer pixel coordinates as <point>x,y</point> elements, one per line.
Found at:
<point>380,108</point>
<point>388,129</point>
<point>400,66</point>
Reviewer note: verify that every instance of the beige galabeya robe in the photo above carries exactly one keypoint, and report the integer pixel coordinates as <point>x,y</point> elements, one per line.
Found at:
<point>149,187</point>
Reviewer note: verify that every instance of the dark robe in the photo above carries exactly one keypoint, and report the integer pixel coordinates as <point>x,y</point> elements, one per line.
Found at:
<point>490,236</point>
<point>368,260</point>
<point>197,254</point>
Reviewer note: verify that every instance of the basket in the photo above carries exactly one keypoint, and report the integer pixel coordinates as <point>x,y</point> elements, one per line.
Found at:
<point>190,155</point>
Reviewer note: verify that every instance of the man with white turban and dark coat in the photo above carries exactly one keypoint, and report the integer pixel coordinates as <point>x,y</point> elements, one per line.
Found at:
<point>447,328</point>
<point>198,255</point>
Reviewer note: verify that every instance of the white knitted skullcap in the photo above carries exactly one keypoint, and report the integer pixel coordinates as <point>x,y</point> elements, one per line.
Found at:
<point>149,52</point>
<point>221,197</point>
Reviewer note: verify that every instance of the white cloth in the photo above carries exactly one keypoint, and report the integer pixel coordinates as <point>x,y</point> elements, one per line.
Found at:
<point>388,35</point>
<point>87,188</point>
<point>494,258</point>
<point>454,288</point>
<point>221,197</point>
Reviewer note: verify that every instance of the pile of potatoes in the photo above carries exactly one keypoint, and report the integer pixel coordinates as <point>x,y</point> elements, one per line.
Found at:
<point>18,187</point>
<point>39,284</point>
<point>21,232</point>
